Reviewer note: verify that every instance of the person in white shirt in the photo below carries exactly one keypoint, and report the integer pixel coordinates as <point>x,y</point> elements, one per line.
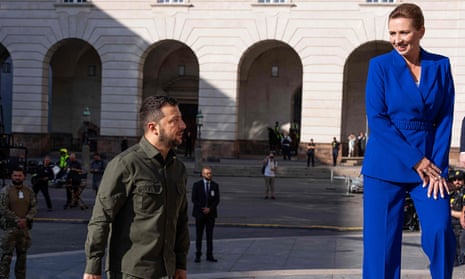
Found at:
<point>270,172</point>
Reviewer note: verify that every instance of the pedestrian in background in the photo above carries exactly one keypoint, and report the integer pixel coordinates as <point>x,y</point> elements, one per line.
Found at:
<point>335,150</point>
<point>311,153</point>
<point>205,198</point>
<point>361,143</point>
<point>188,142</point>
<point>40,180</point>
<point>97,167</point>
<point>141,207</point>
<point>271,165</point>
<point>18,206</point>
<point>462,144</point>
<point>409,105</point>
<point>286,146</point>
<point>73,181</point>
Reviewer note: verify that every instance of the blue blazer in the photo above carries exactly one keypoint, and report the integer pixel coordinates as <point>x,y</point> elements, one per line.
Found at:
<point>407,122</point>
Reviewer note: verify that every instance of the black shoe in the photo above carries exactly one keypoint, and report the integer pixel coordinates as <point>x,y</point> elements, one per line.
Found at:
<point>211,259</point>
<point>197,259</point>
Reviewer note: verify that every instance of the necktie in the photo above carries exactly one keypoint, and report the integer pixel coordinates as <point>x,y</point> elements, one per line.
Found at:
<point>207,192</point>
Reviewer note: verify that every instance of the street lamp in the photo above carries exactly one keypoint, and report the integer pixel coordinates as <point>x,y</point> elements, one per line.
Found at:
<point>199,121</point>
<point>85,148</point>
<point>198,146</point>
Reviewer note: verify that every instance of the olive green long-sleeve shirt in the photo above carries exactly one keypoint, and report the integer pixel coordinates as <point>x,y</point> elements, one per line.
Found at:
<point>142,215</point>
<point>17,203</point>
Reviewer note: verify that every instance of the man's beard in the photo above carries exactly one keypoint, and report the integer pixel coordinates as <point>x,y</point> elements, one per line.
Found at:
<point>171,143</point>
<point>17,182</point>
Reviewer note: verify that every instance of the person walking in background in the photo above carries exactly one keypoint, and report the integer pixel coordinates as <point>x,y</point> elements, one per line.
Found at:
<point>351,138</point>
<point>457,201</point>
<point>63,162</point>
<point>142,200</point>
<point>18,206</point>
<point>205,198</point>
<point>97,167</point>
<point>311,153</point>
<point>462,143</point>
<point>40,180</point>
<point>124,144</point>
<point>271,166</point>
<point>73,181</point>
<point>361,143</point>
<point>409,106</point>
<point>335,150</point>
<point>188,142</point>
<point>286,146</point>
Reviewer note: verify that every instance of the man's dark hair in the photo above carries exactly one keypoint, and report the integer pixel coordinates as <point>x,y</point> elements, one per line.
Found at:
<point>19,168</point>
<point>151,108</point>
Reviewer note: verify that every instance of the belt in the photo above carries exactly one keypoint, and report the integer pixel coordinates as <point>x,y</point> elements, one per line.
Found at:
<point>414,125</point>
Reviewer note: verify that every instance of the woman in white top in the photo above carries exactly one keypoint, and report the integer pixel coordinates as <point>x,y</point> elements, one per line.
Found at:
<point>270,173</point>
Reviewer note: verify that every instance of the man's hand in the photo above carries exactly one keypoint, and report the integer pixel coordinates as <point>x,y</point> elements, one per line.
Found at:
<point>180,274</point>
<point>22,223</point>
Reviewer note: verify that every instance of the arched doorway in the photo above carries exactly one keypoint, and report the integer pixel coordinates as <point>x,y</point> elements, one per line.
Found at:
<point>74,94</point>
<point>6,90</point>
<point>353,103</point>
<point>269,92</point>
<point>171,68</point>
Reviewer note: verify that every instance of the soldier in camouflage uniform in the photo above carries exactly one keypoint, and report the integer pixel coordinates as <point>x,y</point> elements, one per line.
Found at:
<point>457,201</point>
<point>17,208</point>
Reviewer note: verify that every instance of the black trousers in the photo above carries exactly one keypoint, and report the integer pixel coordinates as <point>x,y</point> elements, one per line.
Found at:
<point>310,158</point>
<point>204,222</point>
<point>42,186</point>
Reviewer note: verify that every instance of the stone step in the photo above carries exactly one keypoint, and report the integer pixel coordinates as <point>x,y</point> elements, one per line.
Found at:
<point>322,172</point>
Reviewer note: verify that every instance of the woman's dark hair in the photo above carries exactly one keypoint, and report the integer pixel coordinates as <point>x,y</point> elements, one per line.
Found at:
<point>411,11</point>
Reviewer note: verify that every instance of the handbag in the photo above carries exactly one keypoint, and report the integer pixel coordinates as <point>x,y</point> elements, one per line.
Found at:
<point>264,167</point>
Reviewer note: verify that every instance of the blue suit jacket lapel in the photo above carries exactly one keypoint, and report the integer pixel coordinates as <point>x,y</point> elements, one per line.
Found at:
<point>405,79</point>
<point>428,75</point>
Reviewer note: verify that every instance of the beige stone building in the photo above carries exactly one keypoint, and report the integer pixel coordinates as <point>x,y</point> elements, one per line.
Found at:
<point>244,64</point>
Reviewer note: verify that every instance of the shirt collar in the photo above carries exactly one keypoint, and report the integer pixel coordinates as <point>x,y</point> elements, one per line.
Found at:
<point>152,152</point>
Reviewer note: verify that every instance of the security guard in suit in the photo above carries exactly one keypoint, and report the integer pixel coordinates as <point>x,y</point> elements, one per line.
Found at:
<point>205,200</point>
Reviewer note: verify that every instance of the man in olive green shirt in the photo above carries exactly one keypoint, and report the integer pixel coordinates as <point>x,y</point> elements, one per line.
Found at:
<point>141,205</point>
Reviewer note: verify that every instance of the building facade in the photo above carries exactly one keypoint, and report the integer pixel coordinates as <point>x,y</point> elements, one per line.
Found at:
<point>70,66</point>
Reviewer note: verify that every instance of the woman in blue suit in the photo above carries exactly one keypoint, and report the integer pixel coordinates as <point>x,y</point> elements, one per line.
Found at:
<point>409,105</point>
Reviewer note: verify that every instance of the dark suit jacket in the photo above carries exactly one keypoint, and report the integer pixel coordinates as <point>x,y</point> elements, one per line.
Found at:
<point>407,122</point>
<point>462,136</point>
<point>198,198</point>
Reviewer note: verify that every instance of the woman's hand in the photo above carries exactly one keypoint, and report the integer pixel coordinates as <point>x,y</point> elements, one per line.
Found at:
<point>430,174</point>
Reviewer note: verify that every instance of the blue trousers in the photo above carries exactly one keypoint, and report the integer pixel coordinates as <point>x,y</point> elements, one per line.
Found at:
<point>383,218</point>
